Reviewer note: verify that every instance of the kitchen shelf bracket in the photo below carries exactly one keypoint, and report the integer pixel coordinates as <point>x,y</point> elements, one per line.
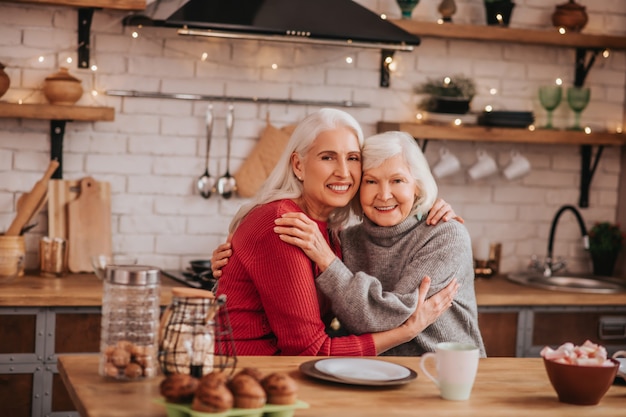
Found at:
<point>583,65</point>
<point>85,16</point>
<point>386,57</point>
<point>57,130</point>
<point>587,169</point>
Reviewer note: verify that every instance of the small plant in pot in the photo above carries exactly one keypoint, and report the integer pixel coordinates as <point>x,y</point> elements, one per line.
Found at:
<point>498,12</point>
<point>605,243</point>
<point>447,94</point>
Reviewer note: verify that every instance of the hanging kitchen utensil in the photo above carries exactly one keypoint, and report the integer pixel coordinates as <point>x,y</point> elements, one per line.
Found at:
<point>226,185</point>
<point>206,183</point>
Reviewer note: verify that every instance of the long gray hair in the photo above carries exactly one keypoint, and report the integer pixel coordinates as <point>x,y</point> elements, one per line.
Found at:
<point>282,183</point>
<point>378,148</point>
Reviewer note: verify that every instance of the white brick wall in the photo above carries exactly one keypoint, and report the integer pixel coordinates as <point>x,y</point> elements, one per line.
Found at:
<point>154,150</point>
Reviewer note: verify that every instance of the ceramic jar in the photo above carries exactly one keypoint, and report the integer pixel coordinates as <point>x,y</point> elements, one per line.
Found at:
<point>62,88</point>
<point>5,82</point>
<point>571,16</point>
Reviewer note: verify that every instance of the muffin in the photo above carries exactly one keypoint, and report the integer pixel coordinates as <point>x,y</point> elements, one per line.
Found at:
<point>253,372</point>
<point>247,391</point>
<point>280,388</point>
<point>212,394</point>
<point>179,388</point>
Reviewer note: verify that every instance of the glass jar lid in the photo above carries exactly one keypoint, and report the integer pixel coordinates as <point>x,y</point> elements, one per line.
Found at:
<point>132,274</point>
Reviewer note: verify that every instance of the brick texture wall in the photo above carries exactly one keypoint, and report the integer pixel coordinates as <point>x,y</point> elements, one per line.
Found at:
<point>154,150</point>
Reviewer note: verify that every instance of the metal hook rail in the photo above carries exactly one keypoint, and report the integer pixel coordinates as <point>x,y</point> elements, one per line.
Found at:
<point>259,100</point>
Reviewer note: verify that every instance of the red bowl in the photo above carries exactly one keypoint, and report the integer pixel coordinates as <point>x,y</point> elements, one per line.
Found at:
<point>580,385</point>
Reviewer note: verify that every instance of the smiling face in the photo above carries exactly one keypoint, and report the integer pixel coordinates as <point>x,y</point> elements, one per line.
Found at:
<point>330,172</point>
<point>388,192</point>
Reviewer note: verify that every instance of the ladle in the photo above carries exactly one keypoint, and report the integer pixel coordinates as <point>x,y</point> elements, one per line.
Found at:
<point>226,185</point>
<point>206,183</point>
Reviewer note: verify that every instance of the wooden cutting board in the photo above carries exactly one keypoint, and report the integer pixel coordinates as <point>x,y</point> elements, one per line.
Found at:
<point>60,192</point>
<point>80,211</point>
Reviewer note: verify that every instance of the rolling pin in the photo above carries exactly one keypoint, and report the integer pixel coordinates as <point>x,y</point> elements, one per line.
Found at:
<point>31,201</point>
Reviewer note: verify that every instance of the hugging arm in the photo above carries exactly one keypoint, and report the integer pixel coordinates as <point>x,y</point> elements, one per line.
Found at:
<point>432,254</point>
<point>359,299</point>
<point>320,253</point>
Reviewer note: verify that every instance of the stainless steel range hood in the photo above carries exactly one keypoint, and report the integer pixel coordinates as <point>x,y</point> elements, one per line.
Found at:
<point>317,22</point>
<point>323,22</point>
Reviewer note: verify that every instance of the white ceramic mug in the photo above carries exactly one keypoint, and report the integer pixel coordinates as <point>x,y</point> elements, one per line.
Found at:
<point>457,364</point>
<point>622,363</point>
<point>517,167</point>
<point>484,166</point>
<point>448,164</point>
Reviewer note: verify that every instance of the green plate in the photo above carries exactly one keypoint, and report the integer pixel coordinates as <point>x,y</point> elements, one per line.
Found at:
<point>269,410</point>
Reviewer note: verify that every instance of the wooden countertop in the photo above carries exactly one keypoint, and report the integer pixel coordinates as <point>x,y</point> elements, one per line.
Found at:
<point>80,290</point>
<point>503,387</point>
<point>500,292</point>
<point>86,290</point>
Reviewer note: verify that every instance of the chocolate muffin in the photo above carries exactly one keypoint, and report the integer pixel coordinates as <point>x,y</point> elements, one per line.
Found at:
<point>253,372</point>
<point>280,388</point>
<point>212,394</point>
<point>247,391</point>
<point>179,388</point>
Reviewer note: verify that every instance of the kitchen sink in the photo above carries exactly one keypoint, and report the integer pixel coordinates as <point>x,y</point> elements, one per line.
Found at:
<point>570,283</point>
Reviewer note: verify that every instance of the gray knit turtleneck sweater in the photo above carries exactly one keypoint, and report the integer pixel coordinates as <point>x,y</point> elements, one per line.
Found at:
<point>391,262</point>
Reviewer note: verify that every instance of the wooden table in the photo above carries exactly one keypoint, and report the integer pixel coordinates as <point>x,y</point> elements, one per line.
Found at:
<point>503,387</point>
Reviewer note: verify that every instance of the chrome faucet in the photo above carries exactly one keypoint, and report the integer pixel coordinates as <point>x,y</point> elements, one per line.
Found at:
<point>550,266</point>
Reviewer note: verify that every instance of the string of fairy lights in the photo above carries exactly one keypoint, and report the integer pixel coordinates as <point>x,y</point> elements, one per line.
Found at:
<point>65,57</point>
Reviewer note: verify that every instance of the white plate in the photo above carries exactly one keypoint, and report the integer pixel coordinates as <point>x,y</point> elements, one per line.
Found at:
<point>362,369</point>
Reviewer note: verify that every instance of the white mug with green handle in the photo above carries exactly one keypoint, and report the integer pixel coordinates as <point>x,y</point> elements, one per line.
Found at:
<point>457,364</point>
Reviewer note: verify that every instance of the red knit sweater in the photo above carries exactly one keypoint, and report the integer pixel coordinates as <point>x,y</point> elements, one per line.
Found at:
<point>273,305</point>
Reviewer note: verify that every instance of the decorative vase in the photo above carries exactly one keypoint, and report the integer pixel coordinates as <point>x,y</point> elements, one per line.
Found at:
<point>61,88</point>
<point>406,7</point>
<point>447,8</point>
<point>571,16</point>
<point>604,262</point>
<point>5,81</point>
<point>499,12</point>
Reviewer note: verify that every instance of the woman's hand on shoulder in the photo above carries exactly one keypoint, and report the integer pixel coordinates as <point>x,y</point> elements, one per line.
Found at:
<point>442,211</point>
<point>299,230</point>
<point>220,256</point>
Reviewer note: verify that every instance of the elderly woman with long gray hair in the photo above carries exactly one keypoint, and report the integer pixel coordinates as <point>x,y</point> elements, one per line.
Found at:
<point>273,304</point>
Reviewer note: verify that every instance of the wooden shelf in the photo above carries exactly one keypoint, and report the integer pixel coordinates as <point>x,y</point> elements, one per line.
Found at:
<point>550,37</point>
<point>500,134</point>
<point>98,4</point>
<point>58,116</point>
<point>56,112</point>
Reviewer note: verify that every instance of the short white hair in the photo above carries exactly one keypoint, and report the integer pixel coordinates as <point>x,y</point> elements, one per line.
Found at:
<point>282,183</point>
<point>379,148</point>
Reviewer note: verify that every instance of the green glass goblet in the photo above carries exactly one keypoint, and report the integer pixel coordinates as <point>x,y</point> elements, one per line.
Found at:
<point>550,98</point>
<point>406,7</point>
<point>577,99</point>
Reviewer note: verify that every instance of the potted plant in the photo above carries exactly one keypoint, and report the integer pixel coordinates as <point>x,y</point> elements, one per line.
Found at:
<point>498,12</point>
<point>605,242</point>
<point>447,95</point>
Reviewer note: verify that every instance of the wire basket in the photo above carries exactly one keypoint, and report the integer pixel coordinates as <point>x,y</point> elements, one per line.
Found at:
<point>195,336</point>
